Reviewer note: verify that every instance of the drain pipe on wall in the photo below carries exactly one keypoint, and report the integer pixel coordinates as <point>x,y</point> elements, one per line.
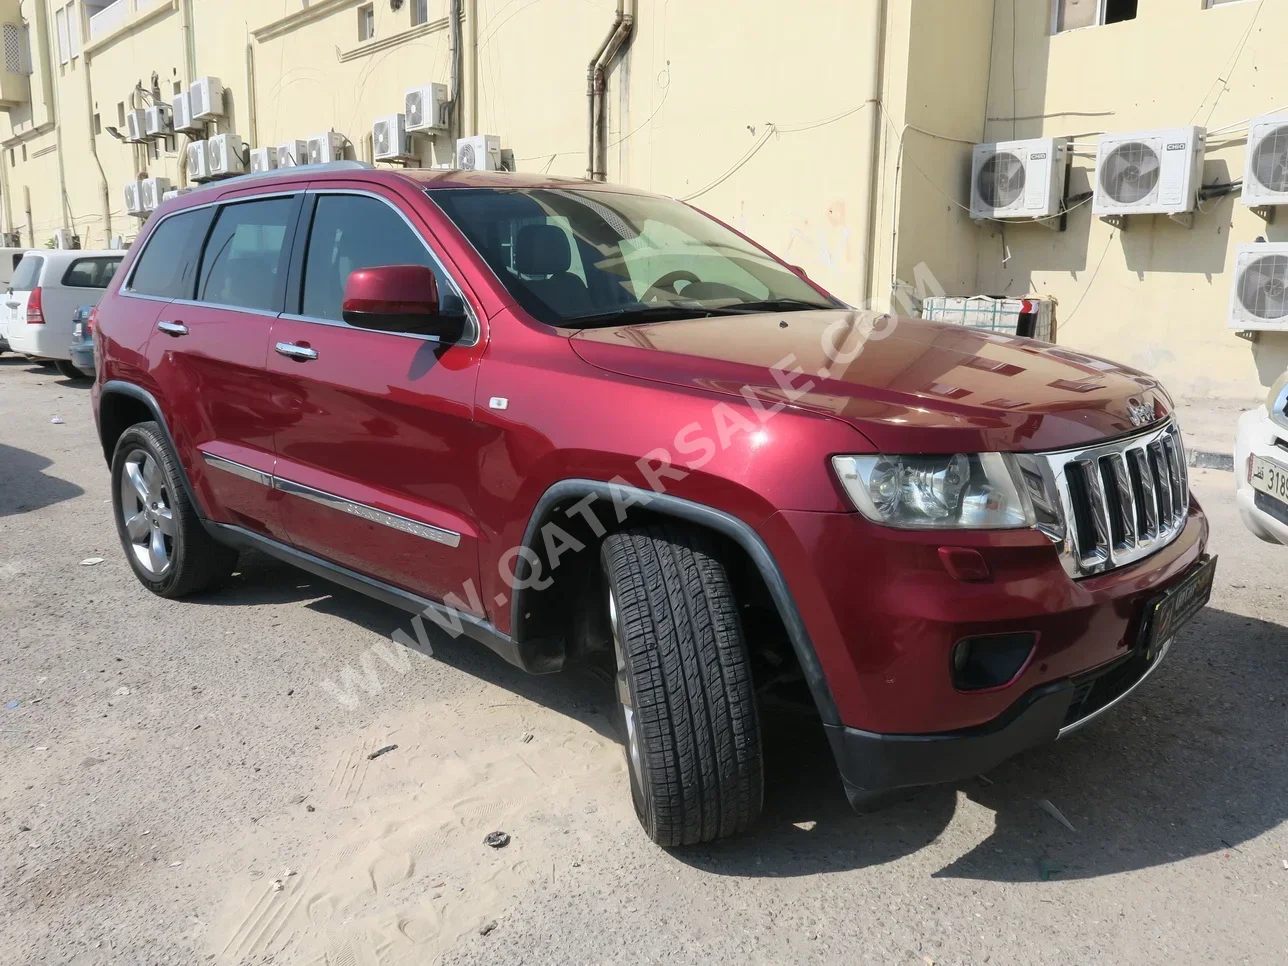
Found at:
<point>93,150</point>
<point>619,40</point>
<point>874,153</point>
<point>455,52</point>
<point>593,77</point>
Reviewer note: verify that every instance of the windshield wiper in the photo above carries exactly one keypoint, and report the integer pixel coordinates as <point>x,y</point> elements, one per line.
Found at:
<point>644,313</point>
<point>779,305</point>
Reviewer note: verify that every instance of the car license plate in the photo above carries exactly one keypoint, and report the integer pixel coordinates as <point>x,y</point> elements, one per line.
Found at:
<point>1270,478</point>
<point>1175,608</point>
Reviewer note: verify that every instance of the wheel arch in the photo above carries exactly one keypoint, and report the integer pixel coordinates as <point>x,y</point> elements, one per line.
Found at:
<point>537,614</point>
<point>122,405</point>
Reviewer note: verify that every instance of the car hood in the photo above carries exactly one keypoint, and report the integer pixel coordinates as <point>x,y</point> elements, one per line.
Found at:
<point>908,385</point>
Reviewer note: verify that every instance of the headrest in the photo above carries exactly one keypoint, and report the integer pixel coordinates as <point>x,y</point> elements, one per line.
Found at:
<point>542,250</point>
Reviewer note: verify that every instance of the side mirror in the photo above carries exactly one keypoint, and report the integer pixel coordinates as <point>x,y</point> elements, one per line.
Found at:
<point>399,298</point>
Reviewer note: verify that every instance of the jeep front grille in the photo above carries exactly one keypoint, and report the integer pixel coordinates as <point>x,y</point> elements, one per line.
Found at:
<point>1118,502</point>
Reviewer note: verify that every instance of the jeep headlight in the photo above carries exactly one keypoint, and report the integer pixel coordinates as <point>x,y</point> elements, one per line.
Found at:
<point>978,491</point>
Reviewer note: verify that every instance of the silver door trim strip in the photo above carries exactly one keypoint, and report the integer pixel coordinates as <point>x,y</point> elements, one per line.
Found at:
<point>448,538</point>
<point>238,469</point>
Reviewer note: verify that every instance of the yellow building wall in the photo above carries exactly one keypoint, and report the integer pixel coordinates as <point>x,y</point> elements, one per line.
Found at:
<point>1156,296</point>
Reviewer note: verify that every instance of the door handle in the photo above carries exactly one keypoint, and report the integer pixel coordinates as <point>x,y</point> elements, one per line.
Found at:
<point>175,329</point>
<point>299,352</point>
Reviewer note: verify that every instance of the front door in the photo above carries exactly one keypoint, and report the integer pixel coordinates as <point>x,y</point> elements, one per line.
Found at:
<point>208,354</point>
<point>377,455</point>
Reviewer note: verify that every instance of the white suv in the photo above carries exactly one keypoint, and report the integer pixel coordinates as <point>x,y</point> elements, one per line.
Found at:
<point>47,288</point>
<point>1261,466</point>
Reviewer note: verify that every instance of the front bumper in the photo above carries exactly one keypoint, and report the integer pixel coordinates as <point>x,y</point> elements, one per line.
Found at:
<point>1259,435</point>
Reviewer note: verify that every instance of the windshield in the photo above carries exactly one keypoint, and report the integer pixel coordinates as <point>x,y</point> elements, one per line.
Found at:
<point>579,258</point>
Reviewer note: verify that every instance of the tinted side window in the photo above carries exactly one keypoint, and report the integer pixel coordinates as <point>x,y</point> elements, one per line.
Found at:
<point>244,264</point>
<point>352,232</point>
<point>90,272</point>
<point>27,275</point>
<point>168,263</point>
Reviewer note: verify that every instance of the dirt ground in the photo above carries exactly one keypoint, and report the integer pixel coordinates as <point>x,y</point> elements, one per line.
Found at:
<point>179,785</point>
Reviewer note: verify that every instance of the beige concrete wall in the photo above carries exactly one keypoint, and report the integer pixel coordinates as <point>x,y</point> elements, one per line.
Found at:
<point>1156,296</point>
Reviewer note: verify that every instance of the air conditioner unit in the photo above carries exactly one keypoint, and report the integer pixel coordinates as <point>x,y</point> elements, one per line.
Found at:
<point>1018,179</point>
<point>426,107</point>
<point>12,239</point>
<point>389,140</point>
<point>292,153</point>
<point>134,198</point>
<point>175,193</point>
<point>1259,301</point>
<point>207,98</point>
<point>181,114</point>
<point>198,161</point>
<point>227,155</point>
<point>479,153</point>
<point>325,148</point>
<point>263,159</point>
<point>154,190</point>
<point>1265,182</point>
<point>158,121</point>
<point>136,126</point>
<point>1149,172</point>
<point>66,239</point>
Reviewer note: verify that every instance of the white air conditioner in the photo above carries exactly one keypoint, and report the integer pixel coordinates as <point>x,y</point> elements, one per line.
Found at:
<point>1149,172</point>
<point>134,198</point>
<point>198,161</point>
<point>226,155</point>
<point>389,140</point>
<point>263,159</point>
<point>1018,179</point>
<point>175,193</point>
<point>158,121</point>
<point>1260,297</point>
<point>325,148</point>
<point>207,98</point>
<point>181,114</point>
<point>426,107</point>
<point>153,191</point>
<point>136,126</point>
<point>66,239</point>
<point>1266,180</point>
<point>479,153</point>
<point>292,153</point>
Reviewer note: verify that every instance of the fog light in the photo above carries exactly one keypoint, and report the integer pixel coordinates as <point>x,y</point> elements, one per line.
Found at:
<point>980,663</point>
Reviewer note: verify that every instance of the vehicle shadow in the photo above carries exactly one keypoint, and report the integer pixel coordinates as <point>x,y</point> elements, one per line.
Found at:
<point>24,486</point>
<point>1195,762</point>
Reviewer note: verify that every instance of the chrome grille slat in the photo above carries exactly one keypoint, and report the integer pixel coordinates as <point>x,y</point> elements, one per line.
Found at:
<point>1121,501</point>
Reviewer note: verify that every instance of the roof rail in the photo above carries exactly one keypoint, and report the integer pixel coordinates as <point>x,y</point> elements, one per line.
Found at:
<point>286,173</point>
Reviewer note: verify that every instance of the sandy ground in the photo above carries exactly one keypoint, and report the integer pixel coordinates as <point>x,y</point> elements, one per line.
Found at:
<point>177,785</point>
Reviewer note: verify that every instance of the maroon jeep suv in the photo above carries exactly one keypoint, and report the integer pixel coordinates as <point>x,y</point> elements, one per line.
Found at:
<point>575,421</point>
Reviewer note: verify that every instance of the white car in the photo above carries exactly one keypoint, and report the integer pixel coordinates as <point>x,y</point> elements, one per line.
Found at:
<point>9,259</point>
<point>1261,466</point>
<point>46,289</point>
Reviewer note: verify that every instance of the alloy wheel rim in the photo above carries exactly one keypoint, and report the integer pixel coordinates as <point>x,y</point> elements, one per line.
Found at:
<point>624,693</point>
<point>146,512</point>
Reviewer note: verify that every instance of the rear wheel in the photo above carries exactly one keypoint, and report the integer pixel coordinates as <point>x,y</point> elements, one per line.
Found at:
<point>164,541</point>
<point>69,371</point>
<point>686,703</point>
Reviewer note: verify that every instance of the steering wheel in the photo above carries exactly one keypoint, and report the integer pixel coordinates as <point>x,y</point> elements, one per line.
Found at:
<point>666,284</point>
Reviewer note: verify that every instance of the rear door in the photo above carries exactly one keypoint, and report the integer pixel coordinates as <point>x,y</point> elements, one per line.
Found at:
<point>208,354</point>
<point>378,459</point>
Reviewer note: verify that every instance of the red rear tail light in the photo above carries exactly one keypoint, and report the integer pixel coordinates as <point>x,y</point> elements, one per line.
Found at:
<point>92,321</point>
<point>35,308</point>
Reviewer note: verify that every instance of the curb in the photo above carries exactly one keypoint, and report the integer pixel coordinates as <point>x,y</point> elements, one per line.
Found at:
<point>1207,460</point>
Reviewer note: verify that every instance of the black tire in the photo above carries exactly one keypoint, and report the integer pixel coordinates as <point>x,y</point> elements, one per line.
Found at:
<point>196,562</point>
<point>69,371</point>
<point>693,753</point>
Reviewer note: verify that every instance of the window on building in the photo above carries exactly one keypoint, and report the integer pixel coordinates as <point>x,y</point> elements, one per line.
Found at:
<point>352,232</point>
<point>98,123</point>
<point>1217,3</point>
<point>366,22</point>
<point>178,88</point>
<point>419,12</point>
<point>67,27</point>
<point>120,115</point>
<point>244,264</point>
<point>1072,14</point>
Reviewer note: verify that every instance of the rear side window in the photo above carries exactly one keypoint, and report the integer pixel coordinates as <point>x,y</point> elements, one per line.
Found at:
<point>244,265</point>
<point>27,275</point>
<point>168,263</point>
<point>90,272</point>
<point>352,232</point>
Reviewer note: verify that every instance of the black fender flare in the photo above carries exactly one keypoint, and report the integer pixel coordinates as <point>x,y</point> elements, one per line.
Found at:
<point>700,514</point>
<point>119,387</point>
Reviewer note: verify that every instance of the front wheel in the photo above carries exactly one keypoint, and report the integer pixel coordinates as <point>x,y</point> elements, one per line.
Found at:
<point>686,702</point>
<point>168,548</point>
